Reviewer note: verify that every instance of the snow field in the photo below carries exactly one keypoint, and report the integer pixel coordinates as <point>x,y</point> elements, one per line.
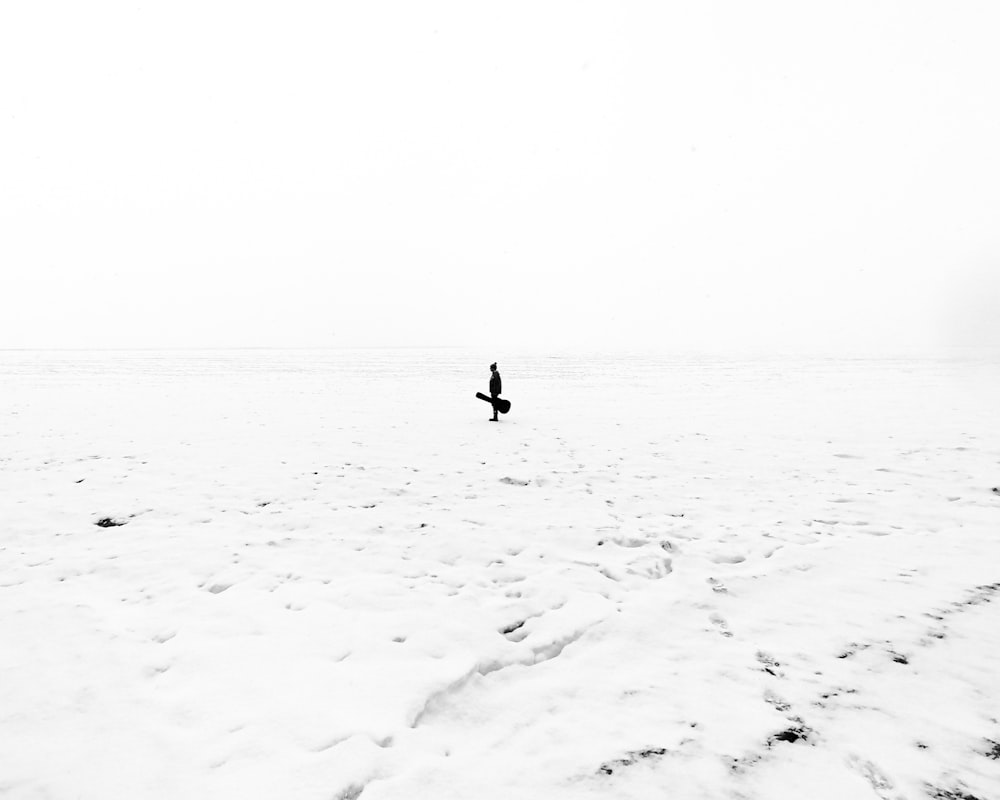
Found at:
<point>335,579</point>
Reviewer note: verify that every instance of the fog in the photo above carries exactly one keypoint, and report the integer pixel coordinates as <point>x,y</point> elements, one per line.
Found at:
<point>675,176</point>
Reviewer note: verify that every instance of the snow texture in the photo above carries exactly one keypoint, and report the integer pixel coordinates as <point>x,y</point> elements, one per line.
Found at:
<point>324,574</point>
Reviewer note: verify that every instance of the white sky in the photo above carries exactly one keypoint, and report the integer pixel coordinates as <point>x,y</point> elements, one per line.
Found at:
<point>679,175</point>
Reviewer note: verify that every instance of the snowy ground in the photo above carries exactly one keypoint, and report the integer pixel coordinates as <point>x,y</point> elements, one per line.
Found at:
<point>654,578</point>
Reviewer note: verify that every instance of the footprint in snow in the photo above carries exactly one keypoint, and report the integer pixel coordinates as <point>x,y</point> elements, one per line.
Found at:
<point>769,664</point>
<point>653,567</point>
<point>628,541</point>
<point>728,558</point>
<point>515,632</point>
<point>773,700</point>
<point>721,624</point>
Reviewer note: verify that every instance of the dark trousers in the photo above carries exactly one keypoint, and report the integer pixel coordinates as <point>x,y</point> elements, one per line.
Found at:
<point>493,400</point>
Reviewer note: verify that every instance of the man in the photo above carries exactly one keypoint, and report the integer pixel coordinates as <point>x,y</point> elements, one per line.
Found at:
<point>494,389</point>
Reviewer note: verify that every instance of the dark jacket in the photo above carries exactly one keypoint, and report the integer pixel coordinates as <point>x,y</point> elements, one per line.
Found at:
<point>495,383</point>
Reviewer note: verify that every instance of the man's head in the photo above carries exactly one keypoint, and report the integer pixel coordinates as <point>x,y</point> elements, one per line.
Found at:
<point>493,367</point>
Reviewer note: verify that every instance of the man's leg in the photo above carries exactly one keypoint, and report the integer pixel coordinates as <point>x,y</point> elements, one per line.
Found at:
<point>493,400</point>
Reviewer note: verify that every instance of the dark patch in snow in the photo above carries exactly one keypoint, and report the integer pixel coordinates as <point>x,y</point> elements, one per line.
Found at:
<point>837,693</point>
<point>110,522</point>
<point>631,757</point>
<point>899,659</point>
<point>994,751</point>
<point>792,734</point>
<point>853,648</point>
<point>514,481</point>
<point>740,765</point>
<point>769,664</point>
<point>950,794</point>
<point>984,593</point>
<point>978,595</point>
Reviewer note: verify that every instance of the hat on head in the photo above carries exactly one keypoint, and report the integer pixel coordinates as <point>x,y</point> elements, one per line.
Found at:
<point>493,365</point>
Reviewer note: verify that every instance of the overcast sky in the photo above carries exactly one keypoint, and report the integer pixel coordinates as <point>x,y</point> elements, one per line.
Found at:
<point>678,175</point>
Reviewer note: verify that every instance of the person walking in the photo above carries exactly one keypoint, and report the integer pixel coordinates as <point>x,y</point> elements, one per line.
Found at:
<point>494,389</point>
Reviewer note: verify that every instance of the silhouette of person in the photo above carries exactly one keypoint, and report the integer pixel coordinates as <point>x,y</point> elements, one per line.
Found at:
<point>494,389</point>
